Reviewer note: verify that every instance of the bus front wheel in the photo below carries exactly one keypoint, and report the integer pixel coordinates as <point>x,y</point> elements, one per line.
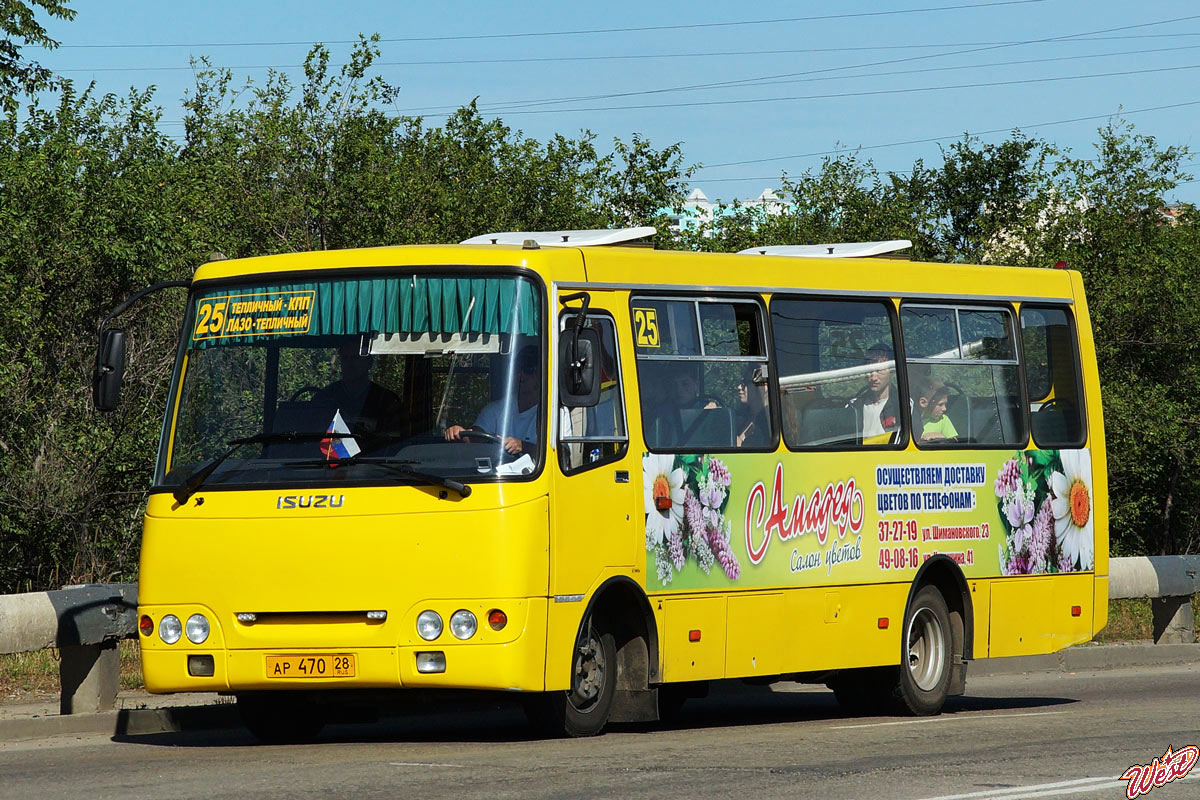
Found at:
<point>927,653</point>
<point>583,710</point>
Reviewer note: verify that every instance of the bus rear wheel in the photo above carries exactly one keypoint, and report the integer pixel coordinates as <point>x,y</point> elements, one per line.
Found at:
<point>583,710</point>
<point>280,719</point>
<point>927,653</point>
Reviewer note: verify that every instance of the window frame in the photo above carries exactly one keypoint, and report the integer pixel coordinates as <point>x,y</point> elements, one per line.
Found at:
<point>623,440</point>
<point>1068,310</point>
<point>765,344</point>
<point>898,356</point>
<point>970,304</point>
<point>180,366</point>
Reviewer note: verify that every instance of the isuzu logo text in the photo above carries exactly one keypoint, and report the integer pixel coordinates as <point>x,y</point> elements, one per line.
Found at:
<point>310,501</point>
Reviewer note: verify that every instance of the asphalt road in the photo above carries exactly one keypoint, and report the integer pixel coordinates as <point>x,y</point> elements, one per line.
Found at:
<point>1011,737</point>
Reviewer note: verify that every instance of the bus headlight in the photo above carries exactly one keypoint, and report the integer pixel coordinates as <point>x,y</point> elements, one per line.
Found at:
<point>429,625</point>
<point>463,624</point>
<point>196,629</point>
<point>170,629</point>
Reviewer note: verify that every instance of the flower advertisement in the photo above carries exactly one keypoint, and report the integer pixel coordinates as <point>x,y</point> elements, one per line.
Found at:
<point>767,519</point>
<point>685,499</point>
<point>1045,502</point>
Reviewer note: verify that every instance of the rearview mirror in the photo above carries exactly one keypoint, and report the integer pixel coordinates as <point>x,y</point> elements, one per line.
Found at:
<point>578,368</point>
<point>110,369</point>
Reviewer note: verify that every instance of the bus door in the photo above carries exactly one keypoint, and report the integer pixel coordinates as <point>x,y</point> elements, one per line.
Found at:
<point>594,496</point>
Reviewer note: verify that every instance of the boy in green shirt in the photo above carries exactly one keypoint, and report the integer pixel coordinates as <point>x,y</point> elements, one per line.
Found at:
<point>933,399</point>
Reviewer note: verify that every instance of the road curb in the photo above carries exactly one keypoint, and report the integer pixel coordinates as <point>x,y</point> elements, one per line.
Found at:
<point>1093,657</point>
<point>125,722</point>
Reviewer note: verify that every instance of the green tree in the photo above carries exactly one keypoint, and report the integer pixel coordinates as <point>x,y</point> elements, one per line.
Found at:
<point>20,28</point>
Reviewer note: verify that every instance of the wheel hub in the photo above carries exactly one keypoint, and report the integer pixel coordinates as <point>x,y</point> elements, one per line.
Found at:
<point>926,653</point>
<point>589,670</point>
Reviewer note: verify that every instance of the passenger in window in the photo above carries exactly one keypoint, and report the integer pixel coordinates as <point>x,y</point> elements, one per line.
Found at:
<point>512,418</point>
<point>365,406</point>
<point>752,427</point>
<point>932,399</point>
<point>876,406</point>
<point>667,425</point>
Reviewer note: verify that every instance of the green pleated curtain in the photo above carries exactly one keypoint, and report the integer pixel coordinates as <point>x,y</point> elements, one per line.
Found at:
<point>410,305</point>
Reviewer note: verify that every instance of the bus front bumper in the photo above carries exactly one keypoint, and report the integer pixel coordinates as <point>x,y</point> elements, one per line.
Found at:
<point>446,663</point>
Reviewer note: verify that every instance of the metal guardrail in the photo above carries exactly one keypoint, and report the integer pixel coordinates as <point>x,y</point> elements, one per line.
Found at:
<point>86,622</point>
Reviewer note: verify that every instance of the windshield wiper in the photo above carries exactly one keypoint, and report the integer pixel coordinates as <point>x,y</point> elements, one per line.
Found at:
<point>192,483</point>
<point>400,467</point>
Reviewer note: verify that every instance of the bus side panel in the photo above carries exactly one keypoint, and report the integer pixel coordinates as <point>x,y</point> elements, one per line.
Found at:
<point>838,627</point>
<point>694,641</point>
<point>756,640</point>
<point>981,607</point>
<point>1030,616</point>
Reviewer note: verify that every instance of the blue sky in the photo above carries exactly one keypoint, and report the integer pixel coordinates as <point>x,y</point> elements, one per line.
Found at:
<point>803,78</point>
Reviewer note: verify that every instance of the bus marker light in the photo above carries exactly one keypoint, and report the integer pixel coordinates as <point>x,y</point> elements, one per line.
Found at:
<point>662,503</point>
<point>247,618</point>
<point>497,619</point>
<point>145,625</point>
<point>694,636</point>
<point>377,616</point>
<point>1076,611</point>
<point>883,623</point>
<point>431,662</point>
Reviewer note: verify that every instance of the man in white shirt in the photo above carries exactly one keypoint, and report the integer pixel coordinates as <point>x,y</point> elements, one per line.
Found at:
<point>514,418</point>
<point>876,405</point>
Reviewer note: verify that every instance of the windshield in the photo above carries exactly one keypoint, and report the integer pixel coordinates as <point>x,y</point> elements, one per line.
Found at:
<point>430,372</point>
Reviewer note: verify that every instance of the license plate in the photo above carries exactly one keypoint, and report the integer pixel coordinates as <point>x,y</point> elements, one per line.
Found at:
<point>325,665</point>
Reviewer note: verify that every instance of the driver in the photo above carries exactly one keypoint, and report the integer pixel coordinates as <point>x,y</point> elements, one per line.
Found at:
<point>366,406</point>
<point>512,418</point>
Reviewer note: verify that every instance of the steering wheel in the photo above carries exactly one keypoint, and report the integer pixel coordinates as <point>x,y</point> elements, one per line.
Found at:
<point>479,436</point>
<point>296,394</point>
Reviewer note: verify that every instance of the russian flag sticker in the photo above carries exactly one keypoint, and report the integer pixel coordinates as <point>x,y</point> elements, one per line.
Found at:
<point>336,447</point>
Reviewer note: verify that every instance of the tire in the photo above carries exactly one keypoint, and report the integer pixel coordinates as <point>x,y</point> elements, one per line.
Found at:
<point>280,719</point>
<point>583,710</point>
<point>927,651</point>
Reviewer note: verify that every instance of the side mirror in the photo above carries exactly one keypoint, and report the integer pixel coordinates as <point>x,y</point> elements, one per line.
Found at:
<point>579,368</point>
<point>110,369</point>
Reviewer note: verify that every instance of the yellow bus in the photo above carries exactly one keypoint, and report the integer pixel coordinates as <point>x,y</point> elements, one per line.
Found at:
<point>602,476</point>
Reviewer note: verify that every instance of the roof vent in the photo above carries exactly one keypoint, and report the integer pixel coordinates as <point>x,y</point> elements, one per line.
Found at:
<point>580,238</point>
<point>839,250</point>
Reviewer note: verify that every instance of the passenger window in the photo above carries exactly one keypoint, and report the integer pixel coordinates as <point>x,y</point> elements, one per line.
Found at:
<point>589,437</point>
<point>702,374</point>
<point>963,376</point>
<point>837,373</point>
<point>1052,377</point>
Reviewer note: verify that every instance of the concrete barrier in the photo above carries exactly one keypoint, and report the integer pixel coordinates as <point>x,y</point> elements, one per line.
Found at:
<point>1169,582</point>
<point>84,623</point>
